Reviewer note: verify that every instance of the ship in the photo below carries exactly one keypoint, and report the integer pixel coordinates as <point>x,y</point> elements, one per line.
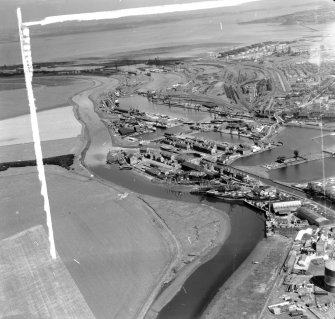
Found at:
<point>160,125</point>
<point>224,196</point>
<point>125,167</point>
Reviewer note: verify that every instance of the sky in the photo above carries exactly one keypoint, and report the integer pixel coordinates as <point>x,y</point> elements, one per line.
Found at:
<point>38,9</point>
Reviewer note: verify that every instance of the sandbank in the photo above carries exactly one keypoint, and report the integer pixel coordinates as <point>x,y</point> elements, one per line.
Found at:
<point>53,124</point>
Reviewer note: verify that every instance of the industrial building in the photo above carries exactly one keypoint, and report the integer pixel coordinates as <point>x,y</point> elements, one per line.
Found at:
<point>312,217</point>
<point>330,275</point>
<point>287,207</point>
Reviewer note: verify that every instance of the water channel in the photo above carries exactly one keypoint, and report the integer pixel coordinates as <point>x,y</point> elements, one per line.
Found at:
<point>144,105</point>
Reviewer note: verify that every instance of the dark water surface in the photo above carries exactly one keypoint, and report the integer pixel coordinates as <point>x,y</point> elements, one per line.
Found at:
<point>144,105</point>
<point>293,138</point>
<point>306,141</point>
<point>305,172</point>
<point>247,229</point>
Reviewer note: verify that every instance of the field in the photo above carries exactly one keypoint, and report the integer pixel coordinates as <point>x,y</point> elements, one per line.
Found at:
<point>34,285</point>
<point>113,250</point>
<point>118,248</point>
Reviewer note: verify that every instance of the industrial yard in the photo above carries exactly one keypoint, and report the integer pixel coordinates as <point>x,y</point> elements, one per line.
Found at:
<point>305,287</point>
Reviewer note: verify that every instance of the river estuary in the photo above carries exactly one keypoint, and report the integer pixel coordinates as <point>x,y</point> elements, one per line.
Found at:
<point>202,285</point>
<point>247,227</point>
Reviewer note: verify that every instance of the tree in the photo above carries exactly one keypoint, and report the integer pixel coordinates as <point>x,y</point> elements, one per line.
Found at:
<point>296,153</point>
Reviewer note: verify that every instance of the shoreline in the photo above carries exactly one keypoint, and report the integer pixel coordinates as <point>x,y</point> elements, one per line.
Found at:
<point>250,282</point>
<point>168,293</point>
<point>157,302</point>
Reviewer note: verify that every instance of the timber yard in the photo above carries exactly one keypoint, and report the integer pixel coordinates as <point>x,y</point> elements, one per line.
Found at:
<point>211,128</point>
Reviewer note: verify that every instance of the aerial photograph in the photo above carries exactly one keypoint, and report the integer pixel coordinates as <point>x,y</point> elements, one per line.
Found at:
<point>169,159</point>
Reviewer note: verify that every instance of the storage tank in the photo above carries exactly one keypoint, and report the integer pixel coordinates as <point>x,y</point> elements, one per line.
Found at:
<point>330,275</point>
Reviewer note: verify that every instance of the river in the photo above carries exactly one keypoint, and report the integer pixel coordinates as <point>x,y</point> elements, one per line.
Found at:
<point>203,284</point>
<point>247,227</point>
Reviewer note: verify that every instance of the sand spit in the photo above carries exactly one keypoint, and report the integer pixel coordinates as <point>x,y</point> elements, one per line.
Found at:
<point>54,124</point>
<point>245,293</point>
<point>35,286</point>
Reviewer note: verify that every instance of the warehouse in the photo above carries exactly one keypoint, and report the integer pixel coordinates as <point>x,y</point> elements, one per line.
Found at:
<point>125,131</point>
<point>311,216</point>
<point>287,207</point>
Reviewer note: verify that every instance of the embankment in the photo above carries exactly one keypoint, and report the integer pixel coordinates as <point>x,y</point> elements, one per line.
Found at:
<point>245,293</point>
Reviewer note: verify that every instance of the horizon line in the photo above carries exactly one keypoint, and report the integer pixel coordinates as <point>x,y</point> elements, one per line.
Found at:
<point>139,11</point>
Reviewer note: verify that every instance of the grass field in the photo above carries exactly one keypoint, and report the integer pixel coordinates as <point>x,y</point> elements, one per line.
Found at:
<point>112,248</point>
<point>32,284</point>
